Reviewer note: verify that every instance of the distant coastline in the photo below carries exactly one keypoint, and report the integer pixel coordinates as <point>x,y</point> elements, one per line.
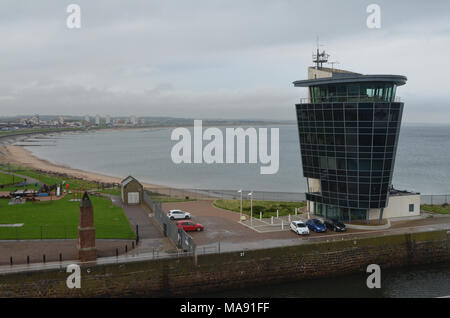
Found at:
<point>13,135</point>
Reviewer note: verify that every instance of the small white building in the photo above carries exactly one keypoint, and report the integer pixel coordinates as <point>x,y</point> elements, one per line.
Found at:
<point>400,204</point>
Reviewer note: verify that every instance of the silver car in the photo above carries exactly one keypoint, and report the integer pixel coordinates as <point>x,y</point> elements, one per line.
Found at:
<point>299,227</point>
<point>178,215</point>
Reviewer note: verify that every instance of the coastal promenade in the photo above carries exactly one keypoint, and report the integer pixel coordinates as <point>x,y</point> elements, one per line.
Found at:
<point>183,274</point>
<point>230,247</point>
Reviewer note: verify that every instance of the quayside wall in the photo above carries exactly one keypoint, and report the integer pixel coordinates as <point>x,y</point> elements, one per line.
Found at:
<point>183,276</point>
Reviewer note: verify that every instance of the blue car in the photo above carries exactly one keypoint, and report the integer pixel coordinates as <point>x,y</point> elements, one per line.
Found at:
<point>316,226</point>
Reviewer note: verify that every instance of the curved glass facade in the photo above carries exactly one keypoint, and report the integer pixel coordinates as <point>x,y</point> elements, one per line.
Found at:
<point>350,147</point>
<point>365,91</point>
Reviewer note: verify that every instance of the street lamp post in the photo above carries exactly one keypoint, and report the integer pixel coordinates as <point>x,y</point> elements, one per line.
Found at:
<point>240,215</point>
<point>251,208</point>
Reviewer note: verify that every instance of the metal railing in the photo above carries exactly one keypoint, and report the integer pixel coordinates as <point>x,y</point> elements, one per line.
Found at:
<point>20,231</point>
<point>163,194</point>
<point>435,199</point>
<point>178,236</point>
<point>349,99</point>
<point>204,194</point>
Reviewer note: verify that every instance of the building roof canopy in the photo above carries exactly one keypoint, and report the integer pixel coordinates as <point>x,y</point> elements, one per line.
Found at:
<point>399,80</point>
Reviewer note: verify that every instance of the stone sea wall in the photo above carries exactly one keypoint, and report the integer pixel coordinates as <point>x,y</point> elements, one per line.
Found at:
<point>185,276</point>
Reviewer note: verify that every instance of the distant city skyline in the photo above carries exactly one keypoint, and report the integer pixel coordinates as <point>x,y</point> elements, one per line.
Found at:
<point>213,59</point>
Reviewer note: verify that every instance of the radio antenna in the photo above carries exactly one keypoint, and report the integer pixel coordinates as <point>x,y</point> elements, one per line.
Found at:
<point>320,57</point>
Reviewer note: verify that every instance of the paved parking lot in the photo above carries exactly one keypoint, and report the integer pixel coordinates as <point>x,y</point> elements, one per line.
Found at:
<point>220,225</point>
<point>223,226</point>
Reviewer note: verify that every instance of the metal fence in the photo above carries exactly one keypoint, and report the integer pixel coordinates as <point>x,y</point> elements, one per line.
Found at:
<point>60,232</point>
<point>181,239</point>
<point>435,199</point>
<point>204,194</point>
<point>199,194</point>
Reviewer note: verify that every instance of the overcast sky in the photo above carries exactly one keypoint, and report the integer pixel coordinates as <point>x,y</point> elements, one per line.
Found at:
<point>213,59</point>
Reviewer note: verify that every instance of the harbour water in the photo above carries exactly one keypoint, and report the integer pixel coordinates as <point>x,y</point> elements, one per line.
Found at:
<point>414,282</point>
<point>422,162</point>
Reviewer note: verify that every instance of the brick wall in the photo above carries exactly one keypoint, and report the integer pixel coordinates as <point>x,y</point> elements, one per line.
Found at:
<point>171,277</point>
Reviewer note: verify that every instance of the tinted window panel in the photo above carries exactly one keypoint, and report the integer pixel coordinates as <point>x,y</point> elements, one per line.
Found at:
<point>381,115</point>
<point>365,115</point>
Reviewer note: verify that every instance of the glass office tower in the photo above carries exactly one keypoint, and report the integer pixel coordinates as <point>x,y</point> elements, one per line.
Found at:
<point>348,129</point>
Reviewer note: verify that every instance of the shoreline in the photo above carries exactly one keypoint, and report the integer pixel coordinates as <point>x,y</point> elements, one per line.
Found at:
<point>17,154</point>
<point>10,153</point>
<point>20,156</point>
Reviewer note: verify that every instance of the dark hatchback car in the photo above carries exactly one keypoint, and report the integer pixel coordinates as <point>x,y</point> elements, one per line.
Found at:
<point>335,226</point>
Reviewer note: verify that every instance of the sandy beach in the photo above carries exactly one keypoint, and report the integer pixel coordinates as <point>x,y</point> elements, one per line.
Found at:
<point>18,155</point>
<point>9,153</point>
<point>21,156</point>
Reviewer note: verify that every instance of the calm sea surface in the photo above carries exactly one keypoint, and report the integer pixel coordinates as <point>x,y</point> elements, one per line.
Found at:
<point>423,160</point>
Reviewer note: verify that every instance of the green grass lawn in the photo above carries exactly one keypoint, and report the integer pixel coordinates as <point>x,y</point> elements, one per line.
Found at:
<point>115,191</point>
<point>268,208</point>
<point>59,220</point>
<point>441,209</point>
<point>51,179</point>
<point>8,179</point>
<point>47,179</point>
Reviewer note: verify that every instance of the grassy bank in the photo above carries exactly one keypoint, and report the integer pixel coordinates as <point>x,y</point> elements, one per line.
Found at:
<point>156,197</point>
<point>268,208</point>
<point>440,209</point>
<point>159,197</point>
<point>74,184</point>
<point>50,179</point>
<point>59,220</point>
<point>9,179</point>
<point>9,183</point>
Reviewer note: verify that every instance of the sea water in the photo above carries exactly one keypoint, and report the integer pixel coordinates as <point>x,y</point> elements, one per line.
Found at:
<point>422,164</point>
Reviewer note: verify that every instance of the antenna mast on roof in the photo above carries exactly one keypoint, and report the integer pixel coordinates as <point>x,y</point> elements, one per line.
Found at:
<point>332,64</point>
<point>320,58</point>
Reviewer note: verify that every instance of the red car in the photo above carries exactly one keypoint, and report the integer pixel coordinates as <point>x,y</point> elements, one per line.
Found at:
<point>190,226</point>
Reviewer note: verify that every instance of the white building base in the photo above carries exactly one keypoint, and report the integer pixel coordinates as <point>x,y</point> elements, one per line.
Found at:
<point>399,206</point>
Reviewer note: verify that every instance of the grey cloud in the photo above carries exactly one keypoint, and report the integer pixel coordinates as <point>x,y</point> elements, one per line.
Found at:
<point>207,57</point>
